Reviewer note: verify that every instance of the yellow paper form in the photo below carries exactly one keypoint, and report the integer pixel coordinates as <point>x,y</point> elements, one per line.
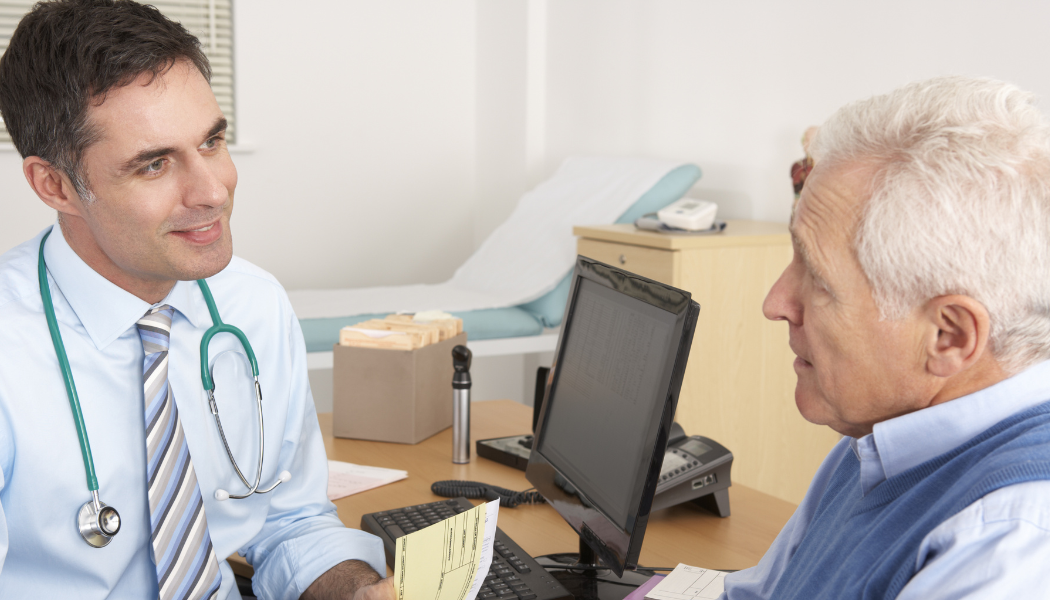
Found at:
<point>448,560</point>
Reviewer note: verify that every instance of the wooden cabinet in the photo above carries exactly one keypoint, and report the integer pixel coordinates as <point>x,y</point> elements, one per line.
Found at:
<point>739,387</point>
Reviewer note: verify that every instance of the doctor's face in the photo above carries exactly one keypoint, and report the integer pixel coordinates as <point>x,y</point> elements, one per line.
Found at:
<point>162,183</point>
<point>854,369</point>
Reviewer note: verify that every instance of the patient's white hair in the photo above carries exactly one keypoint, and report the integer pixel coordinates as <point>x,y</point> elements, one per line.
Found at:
<point>960,203</point>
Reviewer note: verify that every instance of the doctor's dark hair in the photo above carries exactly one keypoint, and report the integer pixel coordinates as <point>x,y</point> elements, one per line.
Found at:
<point>67,54</point>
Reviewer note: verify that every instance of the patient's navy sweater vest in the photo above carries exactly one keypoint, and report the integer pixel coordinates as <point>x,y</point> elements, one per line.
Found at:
<point>866,546</point>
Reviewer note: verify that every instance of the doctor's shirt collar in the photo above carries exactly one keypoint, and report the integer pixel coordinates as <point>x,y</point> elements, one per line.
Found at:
<point>105,310</point>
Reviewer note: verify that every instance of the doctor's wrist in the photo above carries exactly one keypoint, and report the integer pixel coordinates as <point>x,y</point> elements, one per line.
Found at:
<point>343,581</point>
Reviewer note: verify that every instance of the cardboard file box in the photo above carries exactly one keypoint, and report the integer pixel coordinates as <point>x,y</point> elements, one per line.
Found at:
<point>387,395</point>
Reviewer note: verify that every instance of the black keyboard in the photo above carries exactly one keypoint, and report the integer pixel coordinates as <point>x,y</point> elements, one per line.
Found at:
<point>514,575</point>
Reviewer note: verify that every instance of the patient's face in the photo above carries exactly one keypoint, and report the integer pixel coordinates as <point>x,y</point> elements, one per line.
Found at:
<point>853,368</point>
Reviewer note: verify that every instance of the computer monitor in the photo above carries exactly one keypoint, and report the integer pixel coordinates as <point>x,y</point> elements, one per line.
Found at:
<point>608,407</point>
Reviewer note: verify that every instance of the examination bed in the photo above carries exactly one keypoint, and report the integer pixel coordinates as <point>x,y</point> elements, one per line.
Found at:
<point>518,314</point>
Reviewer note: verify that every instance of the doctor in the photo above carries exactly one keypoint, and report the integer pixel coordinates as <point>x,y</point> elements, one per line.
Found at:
<point>108,102</point>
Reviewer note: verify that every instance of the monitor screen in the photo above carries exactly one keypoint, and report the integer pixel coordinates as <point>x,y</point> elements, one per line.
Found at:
<point>608,389</point>
<point>609,403</point>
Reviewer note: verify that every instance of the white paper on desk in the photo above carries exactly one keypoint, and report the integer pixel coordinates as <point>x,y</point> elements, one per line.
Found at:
<point>346,478</point>
<point>689,583</point>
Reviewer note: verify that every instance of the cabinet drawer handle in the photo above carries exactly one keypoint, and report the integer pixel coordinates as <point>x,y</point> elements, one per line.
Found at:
<point>623,259</point>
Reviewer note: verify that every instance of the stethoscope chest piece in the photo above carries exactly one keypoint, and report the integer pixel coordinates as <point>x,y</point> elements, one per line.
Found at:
<point>98,524</point>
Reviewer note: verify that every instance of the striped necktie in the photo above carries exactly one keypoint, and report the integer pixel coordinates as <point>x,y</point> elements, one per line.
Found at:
<point>186,563</point>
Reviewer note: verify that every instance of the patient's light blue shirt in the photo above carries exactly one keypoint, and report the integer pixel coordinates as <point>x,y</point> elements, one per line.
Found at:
<point>998,547</point>
<point>291,535</point>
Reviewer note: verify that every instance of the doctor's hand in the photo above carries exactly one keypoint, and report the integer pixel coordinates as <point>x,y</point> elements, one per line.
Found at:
<point>350,580</point>
<point>380,590</point>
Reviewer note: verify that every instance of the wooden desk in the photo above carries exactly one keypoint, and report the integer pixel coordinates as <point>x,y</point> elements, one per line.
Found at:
<point>683,533</point>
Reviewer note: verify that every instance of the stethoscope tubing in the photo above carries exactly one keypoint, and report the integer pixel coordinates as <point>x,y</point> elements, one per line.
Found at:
<point>219,327</point>
<point>67,374</point>
<point>89,524</point>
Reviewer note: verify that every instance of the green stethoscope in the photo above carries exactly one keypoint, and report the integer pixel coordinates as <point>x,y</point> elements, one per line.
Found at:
<point>96,521</point>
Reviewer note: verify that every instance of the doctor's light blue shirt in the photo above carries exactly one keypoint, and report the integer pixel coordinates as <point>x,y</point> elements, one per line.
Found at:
<point>291,535</point>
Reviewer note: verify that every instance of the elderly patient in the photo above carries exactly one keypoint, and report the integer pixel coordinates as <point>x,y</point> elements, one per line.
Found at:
<point>918,305</point>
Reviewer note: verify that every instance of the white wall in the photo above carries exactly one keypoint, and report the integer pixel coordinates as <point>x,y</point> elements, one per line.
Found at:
<point>359,122</point>
<point>501,119</point>
<point>387,139</point>
<point>362,119</point>
<point>732,85</point>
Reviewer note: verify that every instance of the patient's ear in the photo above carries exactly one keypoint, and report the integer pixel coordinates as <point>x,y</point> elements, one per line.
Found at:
<point>51,185</point>
<point>959,327</point>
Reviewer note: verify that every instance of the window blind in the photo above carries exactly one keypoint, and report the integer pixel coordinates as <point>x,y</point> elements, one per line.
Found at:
<point>210,20</point>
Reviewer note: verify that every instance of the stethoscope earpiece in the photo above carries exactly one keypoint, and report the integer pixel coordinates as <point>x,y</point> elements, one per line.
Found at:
<point>282,477</point>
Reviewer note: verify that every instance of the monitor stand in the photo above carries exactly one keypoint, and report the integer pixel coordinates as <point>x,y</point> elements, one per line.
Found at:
<point>597,582</point>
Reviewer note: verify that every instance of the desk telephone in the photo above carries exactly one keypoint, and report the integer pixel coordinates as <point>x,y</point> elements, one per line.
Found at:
<point>695,468</point>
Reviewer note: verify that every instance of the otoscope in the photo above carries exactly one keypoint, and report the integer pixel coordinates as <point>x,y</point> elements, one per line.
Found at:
<point>461,356</point>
